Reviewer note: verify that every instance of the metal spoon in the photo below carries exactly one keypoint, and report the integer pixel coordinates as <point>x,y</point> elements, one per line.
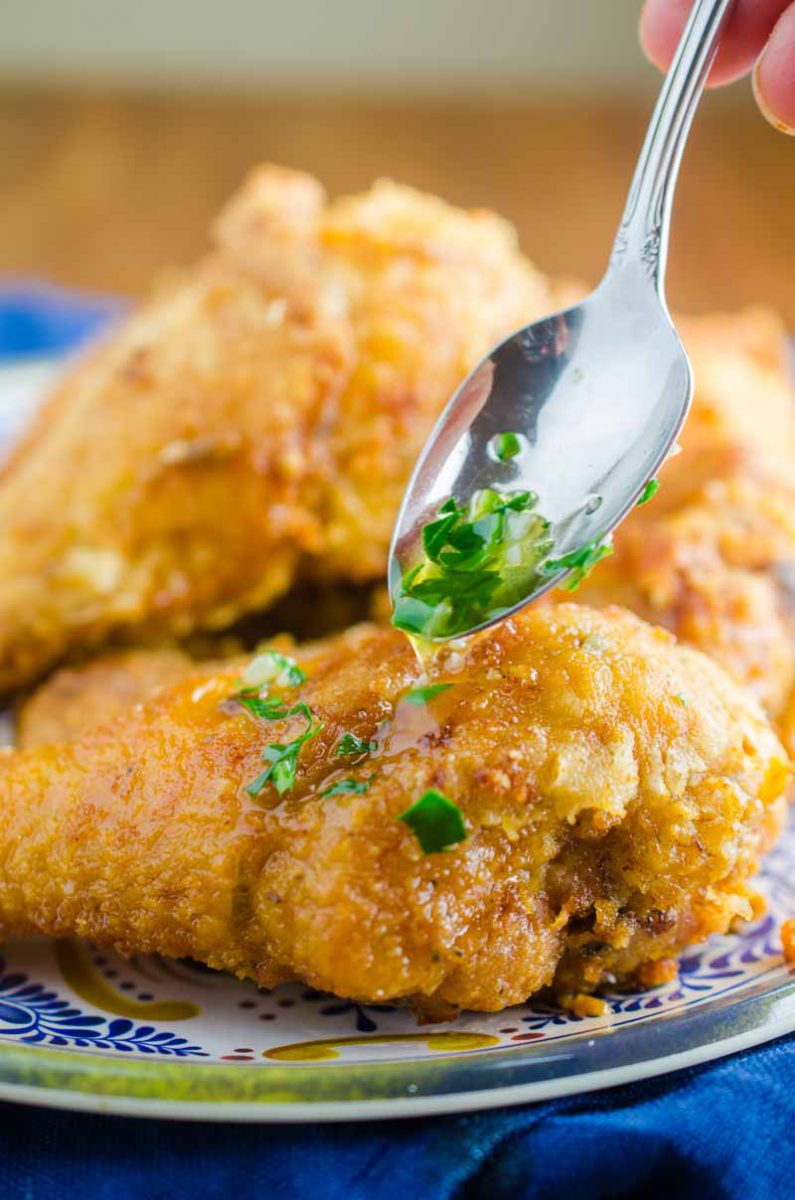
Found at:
<point>598,392</point>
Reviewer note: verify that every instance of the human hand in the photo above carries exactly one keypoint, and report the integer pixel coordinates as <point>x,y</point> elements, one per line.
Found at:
<point>760,37</point>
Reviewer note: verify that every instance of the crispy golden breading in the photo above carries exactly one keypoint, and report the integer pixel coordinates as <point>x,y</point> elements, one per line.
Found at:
<point>75,699</point>
<point>261,415</point>
<point>617,791</point>
<point>712,557</point>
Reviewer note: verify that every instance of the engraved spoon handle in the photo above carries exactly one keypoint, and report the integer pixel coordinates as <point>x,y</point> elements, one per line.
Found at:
<point>642,237</point>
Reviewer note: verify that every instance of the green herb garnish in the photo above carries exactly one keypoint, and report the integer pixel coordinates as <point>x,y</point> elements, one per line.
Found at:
<point>350,745</point>
<point>579,562</point>
<point>355,787</point>
<point>262,707</point>
<point>436,822</point>
<point>505,446</point>
<point>282,757</point>
<point>479,560</point>
<point>421,695</point>
<point>272,667</point>
<point>649,492</point>
<point>681,698</point>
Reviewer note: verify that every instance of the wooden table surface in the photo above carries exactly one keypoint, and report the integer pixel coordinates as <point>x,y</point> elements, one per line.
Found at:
<point>99,190</point>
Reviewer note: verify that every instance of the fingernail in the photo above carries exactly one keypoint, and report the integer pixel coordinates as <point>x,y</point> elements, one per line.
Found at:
<point>775,121</point>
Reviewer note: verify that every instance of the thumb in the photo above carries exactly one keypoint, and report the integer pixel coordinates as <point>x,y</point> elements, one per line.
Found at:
<point>774,75</point>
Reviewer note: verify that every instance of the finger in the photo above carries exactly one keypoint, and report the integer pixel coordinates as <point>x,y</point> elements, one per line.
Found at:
<point>774,75</point>
<point>662,22</point>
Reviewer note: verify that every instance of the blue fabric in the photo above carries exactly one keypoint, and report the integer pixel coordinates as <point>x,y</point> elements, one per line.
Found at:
<point>721,1131</point>
<point>37,320</point>
<point>718,1132</point>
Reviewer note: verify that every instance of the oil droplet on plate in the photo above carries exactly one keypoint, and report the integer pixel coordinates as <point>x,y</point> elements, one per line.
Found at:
<point>324,1049</point>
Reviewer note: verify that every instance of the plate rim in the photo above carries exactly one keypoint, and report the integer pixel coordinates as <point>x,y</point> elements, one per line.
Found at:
<point>43,1091</point>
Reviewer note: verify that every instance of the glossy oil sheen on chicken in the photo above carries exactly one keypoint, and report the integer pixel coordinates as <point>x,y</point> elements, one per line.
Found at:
<point>617,791</point>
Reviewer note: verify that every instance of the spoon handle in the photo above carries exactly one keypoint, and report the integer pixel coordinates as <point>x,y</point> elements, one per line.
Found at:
<point>642,237</point>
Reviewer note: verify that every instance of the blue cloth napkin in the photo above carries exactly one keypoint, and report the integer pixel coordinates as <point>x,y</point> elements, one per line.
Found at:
<point>722,1131</point>
<point>38,320</point>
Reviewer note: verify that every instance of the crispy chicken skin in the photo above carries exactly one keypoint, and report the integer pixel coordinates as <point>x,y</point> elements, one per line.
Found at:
<point>75,699</point>
<point>712,557</point>
<point>259,416</point>
<point>617,789</point>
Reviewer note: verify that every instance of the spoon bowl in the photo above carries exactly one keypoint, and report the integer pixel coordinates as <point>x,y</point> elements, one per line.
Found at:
<point>598,394</point>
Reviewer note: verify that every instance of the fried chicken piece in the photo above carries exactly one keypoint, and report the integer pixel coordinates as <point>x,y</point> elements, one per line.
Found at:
<point>712,557</point>
<point>258,418</point>
<point>617,790</point>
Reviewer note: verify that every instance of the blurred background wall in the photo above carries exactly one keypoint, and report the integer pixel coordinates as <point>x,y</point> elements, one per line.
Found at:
<point>432,44</point>
<point>125,124</point>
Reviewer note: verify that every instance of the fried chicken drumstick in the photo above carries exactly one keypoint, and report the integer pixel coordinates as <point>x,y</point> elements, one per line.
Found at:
<point>258,419</point>
<point>615,791</point>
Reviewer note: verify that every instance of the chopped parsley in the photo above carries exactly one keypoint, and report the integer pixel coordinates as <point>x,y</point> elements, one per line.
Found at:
<point>436,822</point>
<point>478,561</point>
<point>356,787</point>
<point>350,745</point>
<point>649,492</point>
<point>260,706</point>
<point>505,446</point>
<point>282,757</point>
<point>579,562</point>
<point>273,667</point>
<point>421,695</point>
<point>681,698</point>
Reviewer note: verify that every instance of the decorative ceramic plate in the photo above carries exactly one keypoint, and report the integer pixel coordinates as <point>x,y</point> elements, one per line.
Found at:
<point>81,1028</point>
